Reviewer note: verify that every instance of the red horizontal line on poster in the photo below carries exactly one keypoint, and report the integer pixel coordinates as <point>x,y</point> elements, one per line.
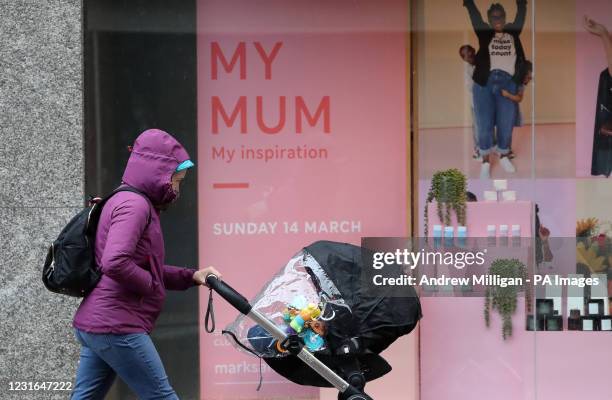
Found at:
<point>231,185</point>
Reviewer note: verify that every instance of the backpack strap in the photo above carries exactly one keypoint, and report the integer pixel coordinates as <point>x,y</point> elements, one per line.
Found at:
<point>96,209</point>
<point>126,188</point>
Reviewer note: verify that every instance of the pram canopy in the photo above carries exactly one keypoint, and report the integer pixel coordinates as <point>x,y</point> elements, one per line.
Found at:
<point>320,296</point>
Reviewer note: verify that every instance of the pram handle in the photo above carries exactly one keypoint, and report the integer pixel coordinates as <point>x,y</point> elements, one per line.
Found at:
<point>228,293</point>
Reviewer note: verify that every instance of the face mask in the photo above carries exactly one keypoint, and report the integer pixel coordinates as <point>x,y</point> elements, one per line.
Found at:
<point>170,195</point>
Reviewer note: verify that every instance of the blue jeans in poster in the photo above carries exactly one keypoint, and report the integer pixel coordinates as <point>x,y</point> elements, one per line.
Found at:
<point>131,356</point>
<point>493,110</point>
<point>474,128</point>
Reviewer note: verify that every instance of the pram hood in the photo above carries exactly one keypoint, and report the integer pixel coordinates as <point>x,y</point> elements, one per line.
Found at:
<point>358,325</point>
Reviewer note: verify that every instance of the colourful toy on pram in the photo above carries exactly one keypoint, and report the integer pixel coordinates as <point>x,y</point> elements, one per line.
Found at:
<point>316,324</point>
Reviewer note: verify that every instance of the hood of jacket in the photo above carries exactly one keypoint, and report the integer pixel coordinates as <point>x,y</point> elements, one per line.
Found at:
<point>153,159</point>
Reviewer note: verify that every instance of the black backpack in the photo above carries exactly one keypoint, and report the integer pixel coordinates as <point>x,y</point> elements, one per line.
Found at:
<point>70,267</point>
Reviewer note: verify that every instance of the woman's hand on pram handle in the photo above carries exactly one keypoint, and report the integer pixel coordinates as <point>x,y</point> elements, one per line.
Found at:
<point>199,277</point>
<point>230,295</point>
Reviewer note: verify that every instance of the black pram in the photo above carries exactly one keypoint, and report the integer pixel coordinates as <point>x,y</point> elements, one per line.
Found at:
<point>314,323</point>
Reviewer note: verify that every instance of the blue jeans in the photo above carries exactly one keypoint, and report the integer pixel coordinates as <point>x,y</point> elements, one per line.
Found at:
<point>133,357</point>
<point>495,111</point>
<point>474,128</point>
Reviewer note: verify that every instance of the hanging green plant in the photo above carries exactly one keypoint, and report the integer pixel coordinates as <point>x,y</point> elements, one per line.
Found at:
<point>448,189</point>
<point>504,299</point>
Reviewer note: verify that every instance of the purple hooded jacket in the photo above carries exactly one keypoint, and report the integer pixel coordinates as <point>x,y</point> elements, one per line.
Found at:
<point>129,245</point>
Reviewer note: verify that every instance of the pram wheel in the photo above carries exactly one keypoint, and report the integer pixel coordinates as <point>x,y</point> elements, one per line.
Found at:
<point>357,382</point>
<point>353,394</point>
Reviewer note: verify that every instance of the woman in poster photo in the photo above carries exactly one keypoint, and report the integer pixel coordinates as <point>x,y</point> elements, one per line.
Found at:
<point>468,55</point>
<point>499,59</point>
<point>601,163</point>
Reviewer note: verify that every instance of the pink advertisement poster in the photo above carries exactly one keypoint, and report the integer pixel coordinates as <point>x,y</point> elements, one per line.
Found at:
<point>302,136</point>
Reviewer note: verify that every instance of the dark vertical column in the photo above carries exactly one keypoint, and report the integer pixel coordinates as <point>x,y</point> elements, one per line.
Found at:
<point>140,72</point>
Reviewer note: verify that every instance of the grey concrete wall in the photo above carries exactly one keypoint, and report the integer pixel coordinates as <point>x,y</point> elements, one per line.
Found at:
<point>41,184</point>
